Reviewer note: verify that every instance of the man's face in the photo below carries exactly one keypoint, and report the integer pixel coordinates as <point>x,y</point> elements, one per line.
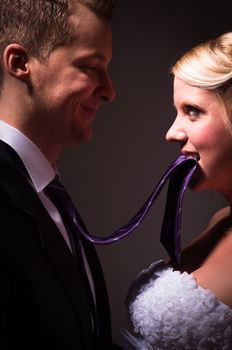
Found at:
<point>70,86</point>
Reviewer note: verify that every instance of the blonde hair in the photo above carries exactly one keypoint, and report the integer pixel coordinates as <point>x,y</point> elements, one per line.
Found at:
<point>209,66</point>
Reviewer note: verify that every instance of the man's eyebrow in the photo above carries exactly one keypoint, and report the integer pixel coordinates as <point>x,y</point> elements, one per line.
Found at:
<point>95,55</point>
<point>100,56</point>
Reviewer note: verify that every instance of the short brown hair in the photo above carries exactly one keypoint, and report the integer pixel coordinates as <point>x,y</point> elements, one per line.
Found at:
<point>42,25</point>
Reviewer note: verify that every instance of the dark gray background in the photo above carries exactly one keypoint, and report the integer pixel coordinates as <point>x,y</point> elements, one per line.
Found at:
<point>111,176</point>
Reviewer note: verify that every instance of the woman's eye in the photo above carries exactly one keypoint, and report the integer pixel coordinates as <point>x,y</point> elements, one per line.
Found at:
<point>192,111</point>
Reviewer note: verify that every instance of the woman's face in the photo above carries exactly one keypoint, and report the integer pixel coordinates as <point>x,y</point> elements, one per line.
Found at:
<point>200,130</point>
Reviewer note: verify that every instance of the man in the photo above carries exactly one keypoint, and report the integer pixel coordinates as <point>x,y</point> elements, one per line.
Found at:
<point>53,78</point>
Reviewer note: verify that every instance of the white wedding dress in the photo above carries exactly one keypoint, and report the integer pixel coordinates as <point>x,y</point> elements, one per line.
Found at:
<point>170,311</point>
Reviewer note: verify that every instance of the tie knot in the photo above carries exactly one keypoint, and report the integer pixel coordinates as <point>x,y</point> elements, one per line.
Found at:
<point>57,192</point>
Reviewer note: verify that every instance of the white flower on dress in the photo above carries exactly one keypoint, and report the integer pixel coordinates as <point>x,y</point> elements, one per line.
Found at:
<point>170,311</point>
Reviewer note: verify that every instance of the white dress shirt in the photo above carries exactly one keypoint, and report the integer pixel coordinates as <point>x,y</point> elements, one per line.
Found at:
<point>40,170</point>
<point>41,173</point>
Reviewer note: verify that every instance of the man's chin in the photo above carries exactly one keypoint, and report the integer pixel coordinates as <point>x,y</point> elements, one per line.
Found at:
<point>85,136</point>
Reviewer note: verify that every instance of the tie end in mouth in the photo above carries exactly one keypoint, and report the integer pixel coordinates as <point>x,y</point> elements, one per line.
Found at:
<point>188,155</point>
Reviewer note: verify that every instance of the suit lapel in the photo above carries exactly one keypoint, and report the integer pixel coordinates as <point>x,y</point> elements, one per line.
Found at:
<point>66,267</point>
<point>103,308</point>
<point>15,184</point>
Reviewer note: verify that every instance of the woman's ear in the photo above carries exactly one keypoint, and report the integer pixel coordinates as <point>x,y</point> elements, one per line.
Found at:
<point>15,61</point>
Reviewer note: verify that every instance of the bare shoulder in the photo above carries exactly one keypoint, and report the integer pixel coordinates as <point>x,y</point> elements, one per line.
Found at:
<point>215,274</point>
<point>209,257</point>
<point>220,215</point>
<point>216,224</point>
<point>199,250</point>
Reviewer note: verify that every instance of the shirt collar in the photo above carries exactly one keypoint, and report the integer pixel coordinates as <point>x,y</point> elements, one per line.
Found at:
<point>40,170</point>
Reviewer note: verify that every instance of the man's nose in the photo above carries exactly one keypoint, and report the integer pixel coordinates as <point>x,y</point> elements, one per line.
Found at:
<point>106,89</point>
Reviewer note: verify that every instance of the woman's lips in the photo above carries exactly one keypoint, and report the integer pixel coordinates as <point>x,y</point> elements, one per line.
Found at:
<point>191,154</point>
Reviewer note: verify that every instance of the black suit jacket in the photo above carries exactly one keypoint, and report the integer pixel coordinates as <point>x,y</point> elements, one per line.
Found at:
<point>42,304</point>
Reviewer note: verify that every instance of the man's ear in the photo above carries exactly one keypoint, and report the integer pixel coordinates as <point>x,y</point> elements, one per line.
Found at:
<point>15,61</point>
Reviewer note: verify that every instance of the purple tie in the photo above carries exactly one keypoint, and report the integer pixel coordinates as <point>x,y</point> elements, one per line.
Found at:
<point>61,199</point>
<point>179,173</point>
<point>63,202</point>
<point>170,235</point>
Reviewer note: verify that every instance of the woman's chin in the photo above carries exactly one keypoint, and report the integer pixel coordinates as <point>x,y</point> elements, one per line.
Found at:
<point>197,184</point>
<point>198,181</point>
<point>196,188</point>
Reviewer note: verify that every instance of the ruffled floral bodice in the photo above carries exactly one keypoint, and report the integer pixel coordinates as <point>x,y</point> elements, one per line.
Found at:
<point>170,311</point>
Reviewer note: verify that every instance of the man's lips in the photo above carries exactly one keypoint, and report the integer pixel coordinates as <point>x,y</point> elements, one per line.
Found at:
<point>88,109</point>
<point>91,109</point>
<point>90,113</point>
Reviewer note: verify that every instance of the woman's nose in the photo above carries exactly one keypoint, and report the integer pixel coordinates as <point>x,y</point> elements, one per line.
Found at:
<point>176,132</point>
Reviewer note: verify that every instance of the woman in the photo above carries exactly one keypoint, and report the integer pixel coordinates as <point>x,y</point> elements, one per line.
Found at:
<point>191,308</point>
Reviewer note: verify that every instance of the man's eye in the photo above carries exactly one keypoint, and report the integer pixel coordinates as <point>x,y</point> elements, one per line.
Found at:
<point>91,69</point>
